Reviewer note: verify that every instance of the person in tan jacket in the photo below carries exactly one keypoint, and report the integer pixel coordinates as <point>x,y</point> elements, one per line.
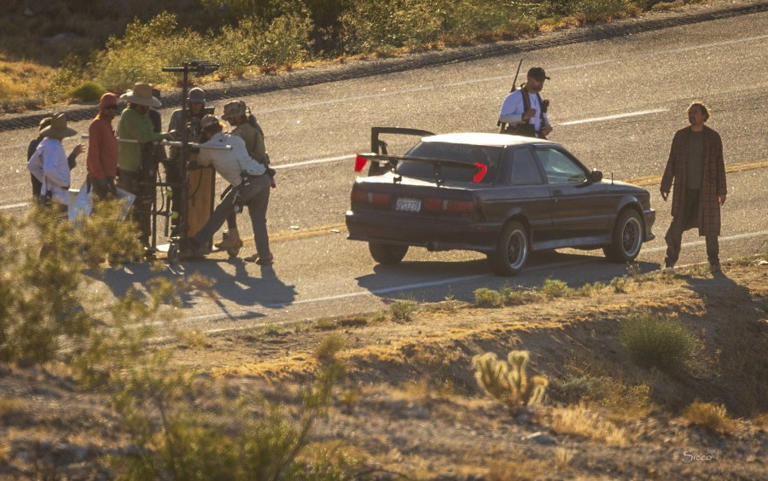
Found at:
<point>243,125</point>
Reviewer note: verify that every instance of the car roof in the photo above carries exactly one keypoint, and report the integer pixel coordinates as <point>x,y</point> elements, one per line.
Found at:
<point>483,139</point>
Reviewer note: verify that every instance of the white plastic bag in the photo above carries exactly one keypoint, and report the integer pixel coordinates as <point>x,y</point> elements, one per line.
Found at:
<point>82,204</point>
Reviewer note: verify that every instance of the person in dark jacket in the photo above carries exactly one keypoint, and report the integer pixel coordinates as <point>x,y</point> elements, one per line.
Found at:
<point>697,170</point>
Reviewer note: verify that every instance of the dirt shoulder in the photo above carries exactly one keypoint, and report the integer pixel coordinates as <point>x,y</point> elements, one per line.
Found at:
<point>409,402</point>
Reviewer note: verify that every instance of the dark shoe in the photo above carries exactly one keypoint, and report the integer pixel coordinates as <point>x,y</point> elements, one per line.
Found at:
<point>262,261</point>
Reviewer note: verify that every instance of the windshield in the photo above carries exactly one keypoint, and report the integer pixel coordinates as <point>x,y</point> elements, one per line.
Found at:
<point>470,154</point>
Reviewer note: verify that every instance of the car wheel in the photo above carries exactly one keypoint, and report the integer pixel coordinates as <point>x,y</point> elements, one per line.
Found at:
<point>627,237</point>
<point>511,251</point>
<point>387,254</point>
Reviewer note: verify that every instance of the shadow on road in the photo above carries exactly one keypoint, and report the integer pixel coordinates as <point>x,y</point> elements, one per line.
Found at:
<point>262,288</point>
<point>432,281</point>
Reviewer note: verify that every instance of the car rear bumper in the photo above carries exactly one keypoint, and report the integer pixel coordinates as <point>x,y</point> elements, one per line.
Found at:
<point>434,234</point>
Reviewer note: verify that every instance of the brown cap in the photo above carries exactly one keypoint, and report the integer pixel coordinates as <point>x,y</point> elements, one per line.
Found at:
<point>208,120</point>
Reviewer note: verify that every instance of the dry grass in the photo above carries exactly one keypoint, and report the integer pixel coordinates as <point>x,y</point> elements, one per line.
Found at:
<point>525,469</point>
<point>583,422</point>
<point>710,416</point>
<point>23,79</point>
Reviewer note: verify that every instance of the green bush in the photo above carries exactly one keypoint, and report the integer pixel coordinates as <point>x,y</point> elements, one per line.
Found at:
<point>555,288</point>
<point>656,340</point>
<point>144,49</point>
<point>485,297</point>
<point>87,92</point>
<point>402,310</point>
<point>42,266</point>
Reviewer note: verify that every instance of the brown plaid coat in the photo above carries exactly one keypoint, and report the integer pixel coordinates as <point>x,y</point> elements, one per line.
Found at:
<point>712,182</point>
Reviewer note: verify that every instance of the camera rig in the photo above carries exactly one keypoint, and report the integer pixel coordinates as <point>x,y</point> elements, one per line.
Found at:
<point>179,240</point>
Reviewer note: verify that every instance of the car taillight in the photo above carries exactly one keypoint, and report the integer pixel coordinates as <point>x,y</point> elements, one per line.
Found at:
<point>433,204</point>
<point>460,206</point>
<point>380,200</point>
<point>376,199</point>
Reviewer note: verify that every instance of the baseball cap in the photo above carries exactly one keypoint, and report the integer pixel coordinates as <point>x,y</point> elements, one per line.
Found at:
<point>208,120</point>
<point>538,74</point>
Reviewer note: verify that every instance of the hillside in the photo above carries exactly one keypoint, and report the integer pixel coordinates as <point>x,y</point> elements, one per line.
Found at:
<point>408,404</point>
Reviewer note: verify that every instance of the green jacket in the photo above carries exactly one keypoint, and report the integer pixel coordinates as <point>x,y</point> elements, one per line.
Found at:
<point>133,125</point>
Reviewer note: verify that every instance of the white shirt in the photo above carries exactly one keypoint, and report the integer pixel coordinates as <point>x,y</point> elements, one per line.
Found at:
<point>512,110</point>
<point>49,165</point>
<point>229,163</point>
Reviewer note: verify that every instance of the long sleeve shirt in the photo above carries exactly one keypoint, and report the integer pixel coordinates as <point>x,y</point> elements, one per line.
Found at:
<point>49,165</point>
<point>135,126</point>
<point>513,108</point>
<point>229,163</point>
<point>102,149</point>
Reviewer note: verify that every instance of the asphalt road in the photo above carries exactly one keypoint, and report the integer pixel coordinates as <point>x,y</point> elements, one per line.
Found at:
<point>615,105</point>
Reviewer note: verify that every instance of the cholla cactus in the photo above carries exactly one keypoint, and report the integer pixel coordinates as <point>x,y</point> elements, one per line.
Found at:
<point>508,380</point>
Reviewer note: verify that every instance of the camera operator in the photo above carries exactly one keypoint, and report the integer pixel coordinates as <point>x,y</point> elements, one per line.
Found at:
<point>196,102</point>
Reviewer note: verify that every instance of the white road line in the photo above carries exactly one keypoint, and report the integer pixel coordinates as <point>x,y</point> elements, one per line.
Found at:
<point>747,235</point>
<point>14,206</point>
<point>614,117</point>
<point>324,160</point>
<point>384,290</point>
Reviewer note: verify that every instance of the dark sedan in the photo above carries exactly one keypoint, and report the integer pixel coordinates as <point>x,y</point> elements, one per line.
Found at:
<point>499,194</point>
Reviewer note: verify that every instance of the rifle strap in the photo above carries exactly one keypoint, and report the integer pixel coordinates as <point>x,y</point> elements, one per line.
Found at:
<point>527,105</point>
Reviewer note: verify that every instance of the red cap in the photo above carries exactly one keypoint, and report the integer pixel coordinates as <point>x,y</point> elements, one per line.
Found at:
<point>107,100</point>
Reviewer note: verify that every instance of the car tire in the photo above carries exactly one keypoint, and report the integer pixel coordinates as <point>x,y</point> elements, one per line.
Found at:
<point>387,254</point>
<point>627,238</point>
<point>512,250</point>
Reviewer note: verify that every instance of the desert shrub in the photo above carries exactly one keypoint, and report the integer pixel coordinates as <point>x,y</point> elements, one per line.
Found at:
<point>713,417</point>
<point>657,340</point>
<point>555,288</point>
<point>87,92</point>
<point>515,297</point>
<point>485,297</point>
<point>42,267</point>
<point>285,42</point>
<point>507,381</point>
<point>328,347</point>
<point>402,310</point>
<point>142,52</point>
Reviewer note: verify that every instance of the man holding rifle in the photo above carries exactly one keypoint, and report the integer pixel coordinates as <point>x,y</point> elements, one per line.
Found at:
<point>523,111</point>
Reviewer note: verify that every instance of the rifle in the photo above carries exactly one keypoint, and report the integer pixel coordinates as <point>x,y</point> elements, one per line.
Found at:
<point>514,82</point>
<point>499,123</point>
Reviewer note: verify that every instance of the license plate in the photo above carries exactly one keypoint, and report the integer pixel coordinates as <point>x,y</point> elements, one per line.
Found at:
<point>408,205</point>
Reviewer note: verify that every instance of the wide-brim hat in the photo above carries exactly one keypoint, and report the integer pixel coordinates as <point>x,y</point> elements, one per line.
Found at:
<point>233,109</point>
<point>141,95</point>
<point>58,128</point>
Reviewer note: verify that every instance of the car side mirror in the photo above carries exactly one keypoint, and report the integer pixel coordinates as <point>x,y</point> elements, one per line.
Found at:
<point>595,176</point>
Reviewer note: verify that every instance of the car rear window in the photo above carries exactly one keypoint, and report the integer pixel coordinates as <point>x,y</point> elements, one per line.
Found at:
<point>459,152</point>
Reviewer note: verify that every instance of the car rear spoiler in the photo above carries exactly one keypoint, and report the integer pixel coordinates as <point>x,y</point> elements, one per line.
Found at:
<point>390,164</point>
<point>379,147</point>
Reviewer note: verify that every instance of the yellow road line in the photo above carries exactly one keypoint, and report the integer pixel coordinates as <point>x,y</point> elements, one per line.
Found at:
<point>649,180</point>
